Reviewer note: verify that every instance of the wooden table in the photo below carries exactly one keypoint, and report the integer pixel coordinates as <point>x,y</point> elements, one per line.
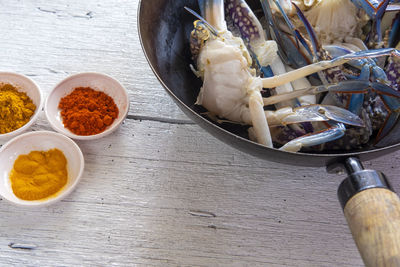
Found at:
<point>160,191</point>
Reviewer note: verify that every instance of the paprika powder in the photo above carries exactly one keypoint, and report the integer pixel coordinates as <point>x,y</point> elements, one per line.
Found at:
<point>86,111</point>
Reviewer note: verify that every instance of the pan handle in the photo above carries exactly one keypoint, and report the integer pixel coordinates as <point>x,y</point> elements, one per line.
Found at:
<point>372,210</point>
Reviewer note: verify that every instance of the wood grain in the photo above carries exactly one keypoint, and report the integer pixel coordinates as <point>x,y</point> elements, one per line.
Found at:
<point>374,219</point>
<point>160,191</point>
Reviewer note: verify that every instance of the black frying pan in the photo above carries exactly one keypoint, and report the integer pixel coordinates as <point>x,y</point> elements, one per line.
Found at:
<point>373,215</point>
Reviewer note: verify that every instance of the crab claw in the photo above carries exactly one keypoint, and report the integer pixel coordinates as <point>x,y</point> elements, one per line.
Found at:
<point>335,131</point>
<point>323,113</point>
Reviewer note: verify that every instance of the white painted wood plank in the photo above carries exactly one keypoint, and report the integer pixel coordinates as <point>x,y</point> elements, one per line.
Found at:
<point>157,193</point>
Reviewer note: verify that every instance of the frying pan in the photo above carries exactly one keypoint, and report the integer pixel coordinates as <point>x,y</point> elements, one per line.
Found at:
<point>371,207</point>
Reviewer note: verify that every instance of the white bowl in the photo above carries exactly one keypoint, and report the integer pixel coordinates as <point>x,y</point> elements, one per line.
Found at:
<point>41,141</point>
<point>96,81</point>
<point>28,86</point>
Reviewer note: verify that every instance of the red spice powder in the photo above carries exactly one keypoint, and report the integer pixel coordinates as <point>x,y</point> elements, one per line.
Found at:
<point>86,111</point>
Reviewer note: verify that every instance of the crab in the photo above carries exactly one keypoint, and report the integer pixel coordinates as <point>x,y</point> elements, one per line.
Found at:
<point>229,67</point>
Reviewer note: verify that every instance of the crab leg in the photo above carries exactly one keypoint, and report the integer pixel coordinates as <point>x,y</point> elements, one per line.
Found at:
<point>394,32</point>
<point>213,13</point>
<point>357,99</point>
<point>300,84</point>
<point>391,99</point>
<point>288,49</point>
<point>375,10</point>
<point>378,73</point>
<point>350,86</point>
<point>259,120</point>
<point>312,113</point>
<point>326,64</point>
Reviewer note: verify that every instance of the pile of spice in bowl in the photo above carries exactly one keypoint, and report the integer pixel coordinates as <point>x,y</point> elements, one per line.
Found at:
<point>86,111</point>
<point>20,104</point>
<point>39,174</point>
<point>87,106</point>
<point>39,168</point>
<point>16,108</point>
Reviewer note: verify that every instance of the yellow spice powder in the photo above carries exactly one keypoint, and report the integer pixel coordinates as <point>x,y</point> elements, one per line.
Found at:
<point>39,175</point>
<point>16,108</point>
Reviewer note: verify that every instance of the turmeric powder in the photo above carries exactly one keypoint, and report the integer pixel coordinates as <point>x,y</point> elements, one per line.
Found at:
<point>39,175</point>
<point>16,108</point>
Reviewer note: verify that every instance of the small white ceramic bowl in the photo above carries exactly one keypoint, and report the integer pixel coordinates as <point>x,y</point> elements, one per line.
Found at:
<point>28,86</point>
<point>40,141</point>
<point>96,81</point>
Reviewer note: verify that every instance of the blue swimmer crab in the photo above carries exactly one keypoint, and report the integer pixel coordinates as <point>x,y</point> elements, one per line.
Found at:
<point>232,88</point>
<point>378,110</point>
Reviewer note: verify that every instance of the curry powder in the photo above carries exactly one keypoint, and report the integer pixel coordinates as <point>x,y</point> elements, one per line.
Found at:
<point>16,108</point>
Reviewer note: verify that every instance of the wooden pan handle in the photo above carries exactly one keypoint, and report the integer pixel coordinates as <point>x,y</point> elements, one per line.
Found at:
<point>372,211</point>
<point>373,216</point>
